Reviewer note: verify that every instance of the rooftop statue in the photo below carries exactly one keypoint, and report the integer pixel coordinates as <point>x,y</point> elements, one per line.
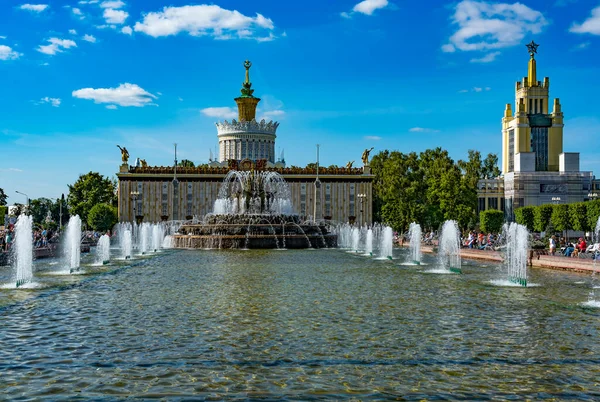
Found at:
<point>349,165</point>
<point>365,156</point>
<point>124,154</point>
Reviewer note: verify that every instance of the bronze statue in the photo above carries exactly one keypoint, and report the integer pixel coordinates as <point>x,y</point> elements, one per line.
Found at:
<point>144,163</point>
<point>124,154</point>
<point>247,65</point>
<point>365,156</point>
<point>349,165</point>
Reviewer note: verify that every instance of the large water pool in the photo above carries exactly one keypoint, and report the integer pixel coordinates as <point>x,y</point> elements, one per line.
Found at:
<point>297,325</point>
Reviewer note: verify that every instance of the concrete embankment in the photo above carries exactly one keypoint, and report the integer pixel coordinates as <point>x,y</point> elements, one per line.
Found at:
<point>537,261</point>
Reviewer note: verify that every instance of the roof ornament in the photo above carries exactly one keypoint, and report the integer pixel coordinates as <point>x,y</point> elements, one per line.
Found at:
<point>532,48</point>
<point>246,86</point>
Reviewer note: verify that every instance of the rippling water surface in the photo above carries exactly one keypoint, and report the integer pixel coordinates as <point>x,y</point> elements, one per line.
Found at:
<point>297,325</point>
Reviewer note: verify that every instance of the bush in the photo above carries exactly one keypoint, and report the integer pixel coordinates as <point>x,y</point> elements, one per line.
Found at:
<point>578,216</point>
<point>491,221</point>
<point>593,213</point>
<point>526,216</point>
<point>561,219</point>
<point>542,215</point>
<point>102,217</point>
<point>3,211</point>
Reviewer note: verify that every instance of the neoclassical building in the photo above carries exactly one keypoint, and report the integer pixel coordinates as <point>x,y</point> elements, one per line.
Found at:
<point>164,193</point>
<point>535,169</point>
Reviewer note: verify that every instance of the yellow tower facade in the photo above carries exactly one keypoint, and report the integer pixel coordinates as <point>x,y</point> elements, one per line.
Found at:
<point>532,138</point>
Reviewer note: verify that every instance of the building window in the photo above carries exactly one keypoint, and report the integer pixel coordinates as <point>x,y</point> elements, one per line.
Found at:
<point>541,106</point>
<point>536,106</point>
<point>539,145</point>
<point>502,204</point>
<point>492,203</point>
<point>511,150</point>
<point>530,111</point>
<point>480,204</point>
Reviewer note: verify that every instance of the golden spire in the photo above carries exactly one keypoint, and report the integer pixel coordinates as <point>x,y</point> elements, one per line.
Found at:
<point>531,71</point>
<point>247,102</point>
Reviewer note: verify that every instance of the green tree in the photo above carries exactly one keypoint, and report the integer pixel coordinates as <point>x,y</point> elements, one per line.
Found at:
<point>3,212</point>
<point>186,163</point>
<point>3,197</point>
<point>578,216</point>
<point>593,213</point>
<point>490,167</point>
<point>560,218</point>
<point>526,216</point>
<point>491,221</point>
<point>56,210</point>
<point>39,208</point>
<point>102,217</point>
<point>542,216</point>
<point>91,189</point>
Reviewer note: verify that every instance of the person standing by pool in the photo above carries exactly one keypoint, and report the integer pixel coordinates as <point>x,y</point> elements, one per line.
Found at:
<point>552,245</point>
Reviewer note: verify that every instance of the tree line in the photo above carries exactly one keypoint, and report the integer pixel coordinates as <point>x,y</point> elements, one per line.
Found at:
<point>428,188</point>
<point>93,197</point>
<point>580,216</point>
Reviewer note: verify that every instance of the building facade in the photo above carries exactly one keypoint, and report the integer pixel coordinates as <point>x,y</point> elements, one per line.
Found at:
<point>535,168</point>
<point>159,193</point>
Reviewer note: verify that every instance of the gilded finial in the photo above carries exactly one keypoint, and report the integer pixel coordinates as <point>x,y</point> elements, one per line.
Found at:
<point>532,48</point>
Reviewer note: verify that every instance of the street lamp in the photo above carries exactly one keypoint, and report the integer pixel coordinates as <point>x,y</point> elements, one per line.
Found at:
<point>556,200</point>
<point>26,199</point>
<point>134,195</point>
<point>593,196</point>
<point>361,197</point>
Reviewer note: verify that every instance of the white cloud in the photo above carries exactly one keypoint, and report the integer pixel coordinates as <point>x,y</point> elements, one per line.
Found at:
<point>72,32</point>
<point>127,30</point>
<point>369,6</point>
<point>372,138</point>
<point>220,112</point>
<point>89,38</point>
<point>591,25</point>
<point>112,4</point>
<point>6,53</point>
<point>112,107</point>
<point>53,101</point>
<point>485,26</point>
<point>204,19</point>
<point>271,114</point>
<point>36,8</point>
<point>124,95</point>
<point>88,1</point>
<point>475,89</point>
<point>113,16</point>
<point>423,130</point>
<point>76,11</point>
<point>2,37</point>
<point>56,46</point>
<point>488,58</point>
<point>180,99</point>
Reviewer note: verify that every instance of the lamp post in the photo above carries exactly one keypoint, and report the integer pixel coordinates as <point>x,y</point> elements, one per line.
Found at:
<point>362,197</point>
<point>556,200</point>
<point>26,199</point>
<point>592,196</point>
<point>134,195</point>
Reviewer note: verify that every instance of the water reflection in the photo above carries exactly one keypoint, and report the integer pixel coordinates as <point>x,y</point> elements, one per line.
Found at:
<point>311,324</point>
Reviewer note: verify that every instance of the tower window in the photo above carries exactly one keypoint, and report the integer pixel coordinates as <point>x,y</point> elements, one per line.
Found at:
<point>511,150</point>
<point>539,145</point>
<point>536,106</point>
<point>530,106</point>
<point>541,106</point>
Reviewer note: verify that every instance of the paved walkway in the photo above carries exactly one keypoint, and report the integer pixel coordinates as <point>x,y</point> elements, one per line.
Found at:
<point>541,261</point>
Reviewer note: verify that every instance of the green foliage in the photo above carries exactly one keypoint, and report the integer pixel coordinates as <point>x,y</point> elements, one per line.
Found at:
<point>102,217</point>
<point>3,197</point>
<point>491,221</point>
<point>38,209</point>
<point>578,216</point>
<point>560,218</point>
<point>490,167</point>
<point>91,189</point>
<point>593,213</point>
<point>427,188</point>
<point>526,216</point>
<point>18,210</point>
<point>3,212</point>
<point>542,216</point>
<point>186,163</point>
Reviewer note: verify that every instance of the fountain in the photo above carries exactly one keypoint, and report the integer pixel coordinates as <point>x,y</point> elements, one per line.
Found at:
<point>253,210</point>
<point>449,247</point>
<point>386,244</point>
<point>369,243</point>
<point>415,234</point>
<point>23,250</point>
<point>157,237</point>
<point>517,244</point>
<point>592,302</point>
<point>144,233</point>
<point>355,239</point>
<point>125,239</point>
<point>73,243</point>
<point>103,250</point>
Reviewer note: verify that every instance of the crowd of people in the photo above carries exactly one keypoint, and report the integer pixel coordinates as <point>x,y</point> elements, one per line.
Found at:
<point>40,237</point>
<point>575,250</point>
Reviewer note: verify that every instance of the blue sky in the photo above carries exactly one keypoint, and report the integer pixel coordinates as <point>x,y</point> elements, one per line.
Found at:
<point>79,77</point>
